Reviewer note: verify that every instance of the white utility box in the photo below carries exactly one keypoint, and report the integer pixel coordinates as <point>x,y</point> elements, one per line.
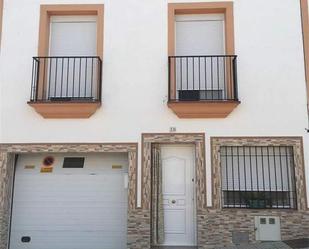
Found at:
<point>267,228</point>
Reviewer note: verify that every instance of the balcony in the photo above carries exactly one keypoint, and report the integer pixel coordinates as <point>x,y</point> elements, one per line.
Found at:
<point>66,87</point>
<point>203,86</point>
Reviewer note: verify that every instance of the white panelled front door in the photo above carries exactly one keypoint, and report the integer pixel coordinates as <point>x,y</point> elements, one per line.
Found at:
<point>178,195</point>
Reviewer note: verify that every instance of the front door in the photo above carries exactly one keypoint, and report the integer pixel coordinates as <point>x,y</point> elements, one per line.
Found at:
<point>178,195</point>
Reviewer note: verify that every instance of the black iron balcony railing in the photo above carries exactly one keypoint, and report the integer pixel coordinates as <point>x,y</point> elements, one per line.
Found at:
<point>66,79</point>
<point>203,78</point>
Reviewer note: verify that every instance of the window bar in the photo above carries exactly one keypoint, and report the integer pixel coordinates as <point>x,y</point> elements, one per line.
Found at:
<point>85,93</point>
<point>218,79</point>
<point>49,78</point>
<point>187,74</point>
<point>270,186</point>
<point>282,189</point>
<point>44,69</point>
<point>227,176</point>
<point>34,81</point>
<point>235,97</point>
<point>212,78</point>
<point>239,188</point>
<point>91,77</point>
<point>73,88</point>
<point>181,88</point>
<point>232,155</point>
<point>100,79</point>
<point>61,77</point>
<point>37,64</point>
<point>193,71</point>
<point>275,168</point>
<point>245,171</point>
<point>263,171</point>
<point>68,70</point>
<point>287,175</point>
<point>56,73</point>
<point>231,81</point>
<point>205,60</point>
<point>224,80</point>
<point>79,76</point>
<point>175,76</point>
<point>169,78</point>
<point>251,178</point>
<point>199,73</point>
<point>257,170</point>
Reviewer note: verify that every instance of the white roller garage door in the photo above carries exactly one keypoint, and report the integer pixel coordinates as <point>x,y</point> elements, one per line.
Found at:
<point>70,208</point>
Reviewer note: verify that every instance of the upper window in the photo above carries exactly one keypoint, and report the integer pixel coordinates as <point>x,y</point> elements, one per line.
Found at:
<point>72,73</point>
<point>202,63</point>
<point>205,24</point>
<point>73,36</point>
<point>67,73</point>
<point>200,34</point>
<point>258,177</point>
<point>62,27</point>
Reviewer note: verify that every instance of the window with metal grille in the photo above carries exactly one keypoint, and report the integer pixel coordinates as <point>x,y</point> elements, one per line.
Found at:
<point>258,177</point>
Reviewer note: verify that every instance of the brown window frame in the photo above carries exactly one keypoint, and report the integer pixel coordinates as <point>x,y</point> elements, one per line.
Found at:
<point>226,8</point>
<point>66,109</point>
<point>46,11</point>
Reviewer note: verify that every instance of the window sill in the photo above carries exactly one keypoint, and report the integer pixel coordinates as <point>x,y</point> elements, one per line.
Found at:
<point>202,109</point>
<point>63,110</point>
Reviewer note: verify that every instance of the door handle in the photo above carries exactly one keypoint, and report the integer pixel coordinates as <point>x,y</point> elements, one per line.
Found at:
<point>173,201</point>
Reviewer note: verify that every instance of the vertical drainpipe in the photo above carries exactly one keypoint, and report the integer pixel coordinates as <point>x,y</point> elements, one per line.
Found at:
<point>305,30</point>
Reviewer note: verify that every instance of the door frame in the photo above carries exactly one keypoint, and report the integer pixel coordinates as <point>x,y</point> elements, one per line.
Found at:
<point>196,139</point>
<point>193,172</point>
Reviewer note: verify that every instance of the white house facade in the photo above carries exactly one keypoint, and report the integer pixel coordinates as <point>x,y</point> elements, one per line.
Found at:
<point>148,124</point>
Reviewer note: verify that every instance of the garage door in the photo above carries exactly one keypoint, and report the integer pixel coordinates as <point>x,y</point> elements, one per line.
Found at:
<point>81,204</point>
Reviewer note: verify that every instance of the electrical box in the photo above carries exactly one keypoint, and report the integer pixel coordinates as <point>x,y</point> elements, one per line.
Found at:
<point>267,228</point>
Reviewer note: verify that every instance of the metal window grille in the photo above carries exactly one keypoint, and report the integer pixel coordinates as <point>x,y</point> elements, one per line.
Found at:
<point>203,78</point>
<point>260,177</point>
